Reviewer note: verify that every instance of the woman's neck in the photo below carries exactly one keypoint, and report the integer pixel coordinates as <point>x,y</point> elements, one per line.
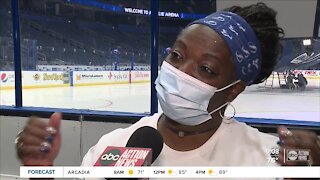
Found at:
<point>185,138</point>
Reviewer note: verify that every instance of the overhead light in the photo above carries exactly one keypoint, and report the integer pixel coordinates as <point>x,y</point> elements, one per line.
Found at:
<point>307,42</point>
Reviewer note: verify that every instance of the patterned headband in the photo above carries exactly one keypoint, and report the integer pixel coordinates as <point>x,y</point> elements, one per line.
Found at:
<point>241,40</point>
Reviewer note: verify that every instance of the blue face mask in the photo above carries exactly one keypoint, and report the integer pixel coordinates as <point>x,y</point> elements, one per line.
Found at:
<point>184,98</point>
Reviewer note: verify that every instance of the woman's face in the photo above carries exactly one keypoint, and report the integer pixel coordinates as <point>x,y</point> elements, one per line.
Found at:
<point>203,54</point>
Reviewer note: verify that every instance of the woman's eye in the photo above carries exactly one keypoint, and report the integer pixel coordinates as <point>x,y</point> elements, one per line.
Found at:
<point>175,55</point>
<point>206,69</point>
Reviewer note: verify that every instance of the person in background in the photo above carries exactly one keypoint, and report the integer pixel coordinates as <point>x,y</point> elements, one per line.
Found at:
<point>302,82</point>
<point>211,62</point>
<point>290,78</point>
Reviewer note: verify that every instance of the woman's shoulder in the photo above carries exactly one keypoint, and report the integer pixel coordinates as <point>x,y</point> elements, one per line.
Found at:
<point>147,121</point>
<point>125,133</point>
<point>246,145</point>
<point>251,135</point>
<point>120,136</point>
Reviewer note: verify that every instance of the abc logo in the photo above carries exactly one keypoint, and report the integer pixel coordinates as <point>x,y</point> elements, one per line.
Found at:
<point>292,155</point>
<point>110,157</point>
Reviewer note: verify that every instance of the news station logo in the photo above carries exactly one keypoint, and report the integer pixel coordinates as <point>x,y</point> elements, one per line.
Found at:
<point>298,155</point>
<point>110,157</point>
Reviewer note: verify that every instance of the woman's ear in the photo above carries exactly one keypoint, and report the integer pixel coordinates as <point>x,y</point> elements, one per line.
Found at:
<point>236,90</point>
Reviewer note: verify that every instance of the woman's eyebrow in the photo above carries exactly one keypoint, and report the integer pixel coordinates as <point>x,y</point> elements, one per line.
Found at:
<point>179,42</point>
<point>212,56</point>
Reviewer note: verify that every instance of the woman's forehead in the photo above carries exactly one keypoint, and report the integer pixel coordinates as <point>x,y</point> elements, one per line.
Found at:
<point>203,39</point>
<point>201,33</point>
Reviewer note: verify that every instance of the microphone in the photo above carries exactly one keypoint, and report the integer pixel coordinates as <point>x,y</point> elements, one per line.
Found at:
<point>142,149</point>
<point>147,137</point>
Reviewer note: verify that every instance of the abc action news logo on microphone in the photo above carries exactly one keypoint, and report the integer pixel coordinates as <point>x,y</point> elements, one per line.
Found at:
<point>125,157</point>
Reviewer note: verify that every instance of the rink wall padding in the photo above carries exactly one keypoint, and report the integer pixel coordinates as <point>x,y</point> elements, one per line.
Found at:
<point>49,79</point>
<point>43,79</point>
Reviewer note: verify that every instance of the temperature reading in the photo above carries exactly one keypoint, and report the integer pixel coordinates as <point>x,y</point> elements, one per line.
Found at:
<point>272,159</point>
<point>140,171</point>
<point>222,171</point>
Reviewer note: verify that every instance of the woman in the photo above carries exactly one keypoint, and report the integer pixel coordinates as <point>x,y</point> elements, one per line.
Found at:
<point>209,65</point>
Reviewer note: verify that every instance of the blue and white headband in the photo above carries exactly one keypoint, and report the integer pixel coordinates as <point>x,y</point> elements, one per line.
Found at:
<point>241,40</point>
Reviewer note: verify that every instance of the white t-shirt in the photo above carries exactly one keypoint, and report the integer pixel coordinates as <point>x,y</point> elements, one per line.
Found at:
<point>233,144</point>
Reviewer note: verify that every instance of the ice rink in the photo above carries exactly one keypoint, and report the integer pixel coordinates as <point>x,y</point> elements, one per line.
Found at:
<point>255,101</point>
